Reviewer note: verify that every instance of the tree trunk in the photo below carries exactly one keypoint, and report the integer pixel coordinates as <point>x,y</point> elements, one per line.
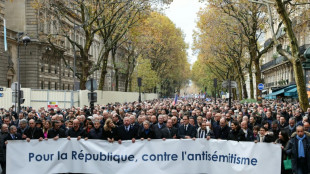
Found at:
<point>294,58</point>
<point>258,77</point>
<point>242,81</point>
<point>115,68</point>
<point>239,87</point>
<point>251,81</point>
<point>103,70</point>
<point>130,84</point>
<point>301,86</point>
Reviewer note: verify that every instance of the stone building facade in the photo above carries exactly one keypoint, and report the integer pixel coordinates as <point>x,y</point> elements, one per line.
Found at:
<point>277,71</point>
<point>41,66</point>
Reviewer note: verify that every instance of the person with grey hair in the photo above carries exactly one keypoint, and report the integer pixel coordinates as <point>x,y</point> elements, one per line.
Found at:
<point>291,128</point>
<point>146,132</point>
<point>23,125</point>
<point>298,148</point>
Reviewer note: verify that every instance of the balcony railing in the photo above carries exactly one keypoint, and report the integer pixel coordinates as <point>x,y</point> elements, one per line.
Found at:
<point>272,63</point>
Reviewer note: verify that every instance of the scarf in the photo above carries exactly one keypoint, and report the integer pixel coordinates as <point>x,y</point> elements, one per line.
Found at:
<point>147,131</point>
<point>301,152</point>
<point>291,128</point>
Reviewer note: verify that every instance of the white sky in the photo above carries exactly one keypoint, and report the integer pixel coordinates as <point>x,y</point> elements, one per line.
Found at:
<point>184,14</point>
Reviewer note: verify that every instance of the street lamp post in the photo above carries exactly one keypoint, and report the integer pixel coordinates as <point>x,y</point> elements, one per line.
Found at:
<point>25,39</point>
<point>139,85</point>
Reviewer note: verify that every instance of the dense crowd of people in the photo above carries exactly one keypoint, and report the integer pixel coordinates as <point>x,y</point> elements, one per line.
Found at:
<point>269,122</point>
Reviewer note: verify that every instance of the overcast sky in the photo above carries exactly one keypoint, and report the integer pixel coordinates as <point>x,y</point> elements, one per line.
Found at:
<point>184,14</point>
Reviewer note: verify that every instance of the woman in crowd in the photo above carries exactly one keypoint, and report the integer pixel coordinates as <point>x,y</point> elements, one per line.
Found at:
<point>235,133</point>
<point>46,127</point>
<point>146,132</point>
<point>255,132</point>
<point>283,140</point>
<point>89,126</point>
<point>109,131</point>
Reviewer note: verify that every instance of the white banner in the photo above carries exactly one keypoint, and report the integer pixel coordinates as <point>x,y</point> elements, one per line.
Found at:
<point>155,156</point>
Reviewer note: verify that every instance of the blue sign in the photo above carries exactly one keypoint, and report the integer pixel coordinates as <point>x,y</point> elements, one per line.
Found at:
<point>1,94</point>
<point>208,99</point>
<point>260,86</point>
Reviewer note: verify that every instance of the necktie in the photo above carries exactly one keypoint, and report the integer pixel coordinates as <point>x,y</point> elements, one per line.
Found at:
<point>202,134</point>
<point>13,137</point>
<point>127,128</point>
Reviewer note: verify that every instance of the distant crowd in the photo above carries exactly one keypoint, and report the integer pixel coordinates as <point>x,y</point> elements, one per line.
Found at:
<point>270,122</point>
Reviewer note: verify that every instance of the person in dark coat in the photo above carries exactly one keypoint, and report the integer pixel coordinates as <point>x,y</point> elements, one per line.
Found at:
<point>169,131</point>
<point>56,132</point>
<point>3,134</point>
<point>248,133</point>
<point>236,134</point>
<point>12,135</point>
<point>126,132</point>
<point>32,132</point>
<point>146,132</point>
<point>283,139</point>
<point>158,126</point>
<point>203,132</point>
<point>264,136</point>
<point>221,131</point>
<point>96,132</point>
<point>186,130</point>
<point>109,131</point>
<point>76,131</point>
<point>299,150</point>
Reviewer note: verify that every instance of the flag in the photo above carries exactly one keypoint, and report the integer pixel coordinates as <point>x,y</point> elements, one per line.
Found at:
<point>175,100</point>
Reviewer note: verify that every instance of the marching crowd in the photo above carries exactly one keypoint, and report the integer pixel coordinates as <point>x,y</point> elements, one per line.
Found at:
<point>269,122</point>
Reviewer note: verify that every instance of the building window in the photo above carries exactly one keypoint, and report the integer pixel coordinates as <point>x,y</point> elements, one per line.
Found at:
<point>55,86</point>
<point>49,85</point>
<point>42,85</point>
<point>63,86</point>
<point>56,71</point>
<point>49,69</point>
<point>42,68</point>
<point>68,87</point>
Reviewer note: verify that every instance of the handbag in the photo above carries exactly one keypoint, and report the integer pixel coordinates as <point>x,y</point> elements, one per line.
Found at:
<point>287,163</point>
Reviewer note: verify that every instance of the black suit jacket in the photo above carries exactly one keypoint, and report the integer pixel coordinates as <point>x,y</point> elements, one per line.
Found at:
<point>124,135</point>
<point>142,134</point>
<point>110,134</point>
<point>165,133</point>
<point>157,130</point>
<point>61,133</point>
<point>18,136</point>
<point>221,133</point>
<point>34,133</point>
<point>191,131</point>
<point>210,133</point>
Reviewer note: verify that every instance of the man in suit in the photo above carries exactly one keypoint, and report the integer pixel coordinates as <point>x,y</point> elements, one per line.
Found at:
<point>248,133</point>
<point>202,131</point>
<point>159,126</point>
<point>12,135</point>
<point>186,130</point>
<point>169,131</point>
<point>222,131</point>
<point>126,132</point>
<point>32,132</point>
<point>56,132</point>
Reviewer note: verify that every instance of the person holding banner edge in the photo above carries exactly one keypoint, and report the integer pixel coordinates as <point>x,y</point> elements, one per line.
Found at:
<point>299,149</point>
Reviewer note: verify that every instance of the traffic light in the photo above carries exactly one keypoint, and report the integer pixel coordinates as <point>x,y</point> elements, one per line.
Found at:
<point>22,100</point>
